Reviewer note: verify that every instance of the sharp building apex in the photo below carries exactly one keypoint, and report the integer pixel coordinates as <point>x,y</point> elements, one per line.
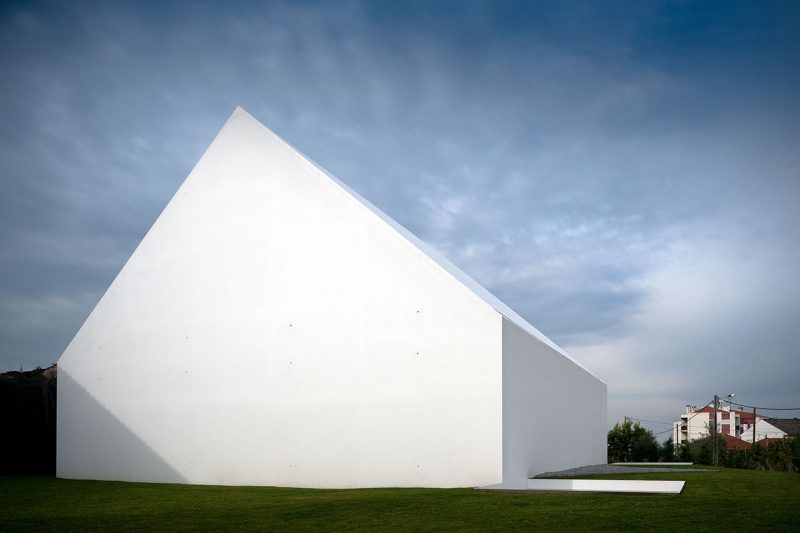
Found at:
<point>240,111</point>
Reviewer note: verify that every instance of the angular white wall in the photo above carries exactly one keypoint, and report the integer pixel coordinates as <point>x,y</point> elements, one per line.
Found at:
<point>554,411</point>
<point>271,330</point>
<point>275,329</point>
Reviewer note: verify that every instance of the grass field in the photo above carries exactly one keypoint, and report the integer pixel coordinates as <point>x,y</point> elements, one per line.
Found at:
<point>734,500</point>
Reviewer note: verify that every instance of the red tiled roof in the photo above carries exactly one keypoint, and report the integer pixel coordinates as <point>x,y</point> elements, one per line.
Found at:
<point>731,442</point>
<point>735,443</point>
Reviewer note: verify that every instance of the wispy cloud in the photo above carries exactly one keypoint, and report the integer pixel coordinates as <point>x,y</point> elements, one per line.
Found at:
<point>631,192</point>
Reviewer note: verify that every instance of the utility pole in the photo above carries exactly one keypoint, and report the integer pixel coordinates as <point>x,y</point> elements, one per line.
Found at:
<point>754,425</point>
<point>716,400</point>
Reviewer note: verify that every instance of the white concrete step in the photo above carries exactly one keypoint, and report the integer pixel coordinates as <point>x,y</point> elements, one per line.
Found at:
<point>607,485</point>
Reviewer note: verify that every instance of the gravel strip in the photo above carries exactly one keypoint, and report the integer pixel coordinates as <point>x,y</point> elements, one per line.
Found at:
<point>614,469</point>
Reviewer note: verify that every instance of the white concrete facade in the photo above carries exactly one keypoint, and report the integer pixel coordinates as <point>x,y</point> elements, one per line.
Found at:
<point>274,328</point>
<point>539,387</point>
<point>694,424</point>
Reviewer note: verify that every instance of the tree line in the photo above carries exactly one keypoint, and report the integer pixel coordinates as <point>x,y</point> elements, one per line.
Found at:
<point>630,442</point>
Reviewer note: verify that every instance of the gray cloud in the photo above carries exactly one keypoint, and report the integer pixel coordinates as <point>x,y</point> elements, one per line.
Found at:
<point>631,192</point>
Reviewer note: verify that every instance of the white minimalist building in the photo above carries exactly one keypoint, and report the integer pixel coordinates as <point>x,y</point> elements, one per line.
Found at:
<point>275,328</point>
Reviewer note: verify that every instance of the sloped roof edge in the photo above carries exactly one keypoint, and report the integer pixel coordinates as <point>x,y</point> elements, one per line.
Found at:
<point>461,276</point>
<point>790,426</point>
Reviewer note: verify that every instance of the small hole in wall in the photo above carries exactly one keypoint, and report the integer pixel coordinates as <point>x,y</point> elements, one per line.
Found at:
<point>290,325</point>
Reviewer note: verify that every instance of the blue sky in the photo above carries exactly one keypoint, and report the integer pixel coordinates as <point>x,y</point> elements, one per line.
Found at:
<point>625,175</point>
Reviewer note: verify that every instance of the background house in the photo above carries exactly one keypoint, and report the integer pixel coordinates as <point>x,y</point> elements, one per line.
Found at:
<point>790,426</point>
<point>697,423</point>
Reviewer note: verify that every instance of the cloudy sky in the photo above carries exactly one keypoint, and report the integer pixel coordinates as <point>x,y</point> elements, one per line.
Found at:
<point>625,175</point>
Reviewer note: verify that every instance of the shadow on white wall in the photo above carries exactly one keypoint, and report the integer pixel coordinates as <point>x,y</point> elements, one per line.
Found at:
<point>114,452</point>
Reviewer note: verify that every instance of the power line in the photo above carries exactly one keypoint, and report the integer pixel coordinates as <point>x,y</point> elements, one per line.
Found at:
<point>650,421</point>
<point>765,408</point>
<point>670,423</point>
<point>660,432</point>
<point>671,429</point>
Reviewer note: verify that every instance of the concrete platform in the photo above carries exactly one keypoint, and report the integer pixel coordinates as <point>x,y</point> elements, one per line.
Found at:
<point>607,485</point>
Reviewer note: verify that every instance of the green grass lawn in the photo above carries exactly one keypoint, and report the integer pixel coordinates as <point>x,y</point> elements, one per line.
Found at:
<point>734,500</point>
